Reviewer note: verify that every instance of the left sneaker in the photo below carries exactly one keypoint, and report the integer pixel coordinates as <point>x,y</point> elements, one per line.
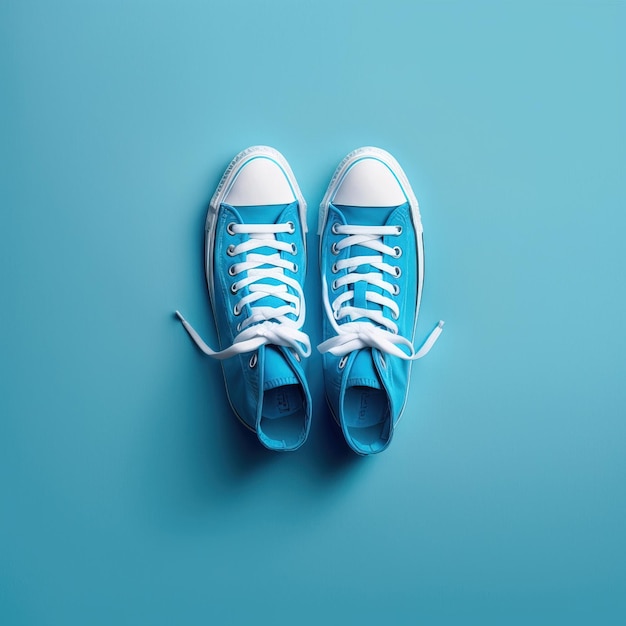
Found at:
<point>255,267</point>
<point>372,264</point>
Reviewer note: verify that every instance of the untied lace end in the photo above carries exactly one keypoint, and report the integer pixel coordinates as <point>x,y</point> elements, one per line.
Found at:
<point>264,325</point>
<point>252,338</point>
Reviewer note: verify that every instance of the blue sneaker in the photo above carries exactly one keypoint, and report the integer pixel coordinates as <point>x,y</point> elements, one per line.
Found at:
<point>372,263</point>
<point>255,268</point>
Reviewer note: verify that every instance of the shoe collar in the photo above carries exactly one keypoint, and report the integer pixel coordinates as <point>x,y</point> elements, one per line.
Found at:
<point>367,367</point>
<point>276,366</point>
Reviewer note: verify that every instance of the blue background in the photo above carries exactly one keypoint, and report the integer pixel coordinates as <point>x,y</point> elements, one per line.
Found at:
<point>129,492</point>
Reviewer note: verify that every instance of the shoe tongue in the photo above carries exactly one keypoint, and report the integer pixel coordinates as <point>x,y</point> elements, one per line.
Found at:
<point>363,371</point>
<point>277,371</point>
<point>266,214</point>
<point>261,214</point>
<point>365,216</point>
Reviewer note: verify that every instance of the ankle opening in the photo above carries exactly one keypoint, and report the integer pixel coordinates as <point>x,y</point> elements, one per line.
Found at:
<point>367,419</point>
<point>283,418</point>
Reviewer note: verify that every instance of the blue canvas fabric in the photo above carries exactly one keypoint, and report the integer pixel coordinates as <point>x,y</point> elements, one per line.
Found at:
<point>368,369</point>
<point>249,379</point>
<point>255,269</point>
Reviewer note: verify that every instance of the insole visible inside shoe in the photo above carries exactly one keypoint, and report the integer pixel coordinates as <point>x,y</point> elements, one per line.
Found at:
<point>366,412</point>
<point>282,414</point>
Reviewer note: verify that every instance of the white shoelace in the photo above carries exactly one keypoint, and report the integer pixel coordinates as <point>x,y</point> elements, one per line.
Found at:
<point>379,331</point>
<point>265,324</point>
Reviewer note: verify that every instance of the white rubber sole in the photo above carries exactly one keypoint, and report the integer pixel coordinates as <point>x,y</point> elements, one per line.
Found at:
<point>384,157</point>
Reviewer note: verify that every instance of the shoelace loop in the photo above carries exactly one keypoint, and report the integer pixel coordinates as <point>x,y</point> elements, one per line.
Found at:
<point>379,331</point>
<point>277,325</point>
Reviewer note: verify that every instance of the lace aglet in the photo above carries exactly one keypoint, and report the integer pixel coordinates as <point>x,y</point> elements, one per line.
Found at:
<point>179,316</point>
<point>441,324</point>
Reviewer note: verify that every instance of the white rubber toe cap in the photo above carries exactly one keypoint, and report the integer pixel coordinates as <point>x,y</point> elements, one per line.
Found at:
<point>369,183</point>
<point>260,181</point>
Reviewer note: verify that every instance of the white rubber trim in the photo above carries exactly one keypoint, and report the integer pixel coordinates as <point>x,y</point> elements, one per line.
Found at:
<point>346,165</point>
<point>224,187</point>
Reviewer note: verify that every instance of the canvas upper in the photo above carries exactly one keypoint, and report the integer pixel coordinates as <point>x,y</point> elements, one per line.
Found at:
<point>255,269</point>
<point>371,257</point>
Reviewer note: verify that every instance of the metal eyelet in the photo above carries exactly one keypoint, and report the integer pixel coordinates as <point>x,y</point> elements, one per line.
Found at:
<point>343,361</point>
<point>398,230</point>
<point>334,228</point>
<point>230,251</point>
<point>334,249</point>
<point>397,252</point>
<point>396,290</point>
<point>236,310</point>
<point>231,270</point>
<point>334,269</point>
<point>294,269</point>
<point>292,228</point>
<point>234,288</point>
<point>334,284</point>
<point>253,360</point>
<point>294,248</point>
<point>395,316</point>
<point>397,271</point>
<point>336,314</point>
<point>238,327</point>
<point>229,228</point>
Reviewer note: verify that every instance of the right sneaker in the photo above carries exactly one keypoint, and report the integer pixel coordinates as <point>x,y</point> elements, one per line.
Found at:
<point>255,260</point>
<point>372,263</point>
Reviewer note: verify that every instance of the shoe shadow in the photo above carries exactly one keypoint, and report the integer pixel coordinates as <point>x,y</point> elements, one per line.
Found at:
<point>200,461</point>
<point>241,453</point>
<point>196,458</point>
<point>325,454</point>
<point>197,462</point>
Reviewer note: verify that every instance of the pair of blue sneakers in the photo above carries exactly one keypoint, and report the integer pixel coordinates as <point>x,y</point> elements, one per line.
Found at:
<point>372,265</point>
